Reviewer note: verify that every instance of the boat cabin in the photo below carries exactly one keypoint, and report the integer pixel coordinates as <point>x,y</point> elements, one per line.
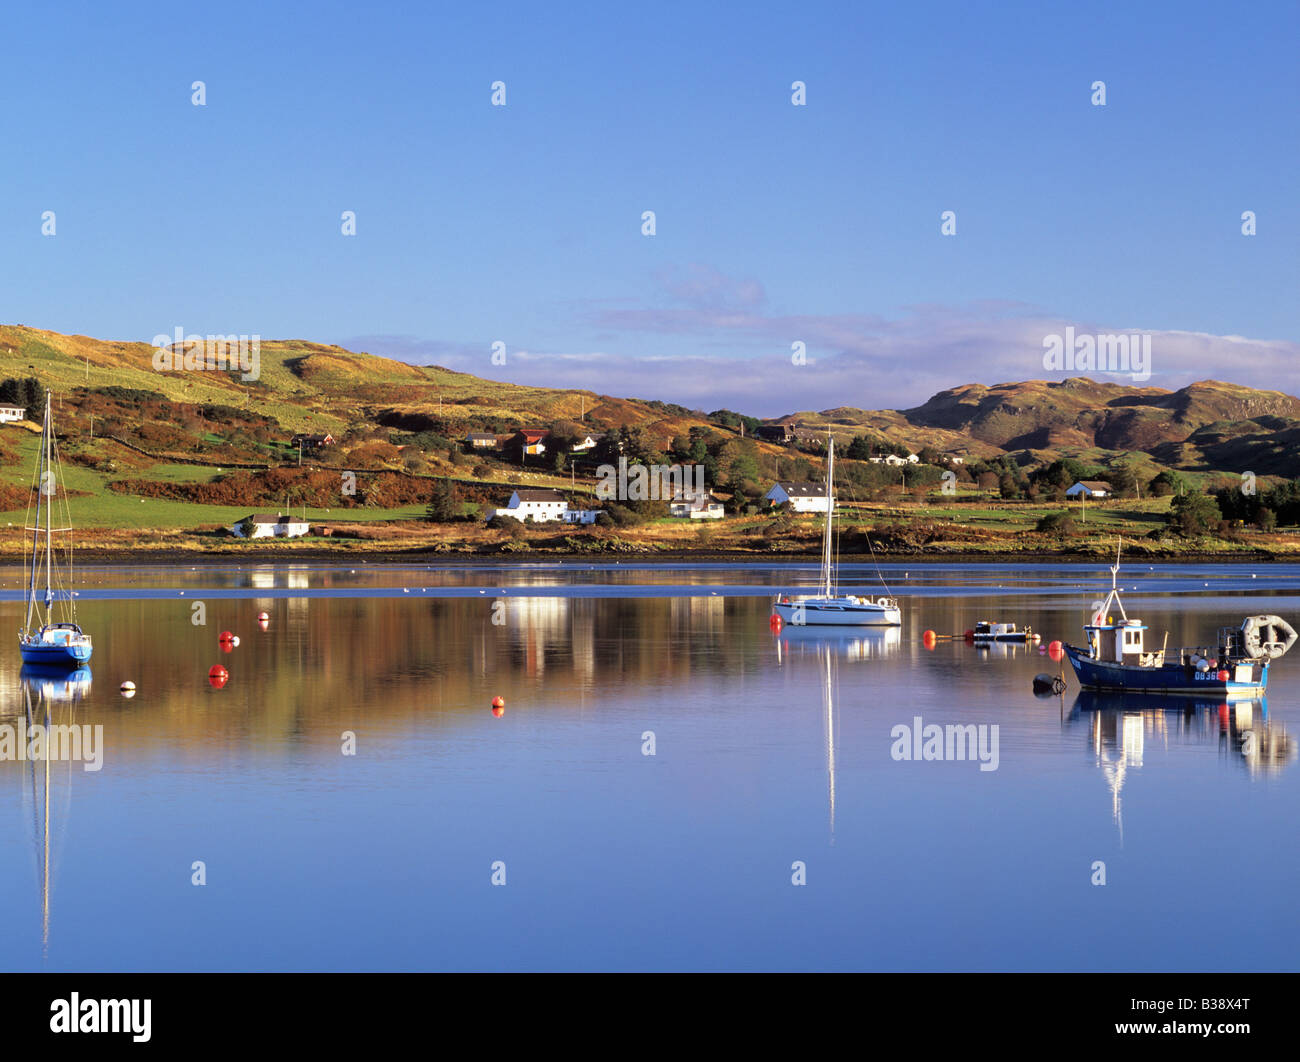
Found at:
<point>1118,643</point>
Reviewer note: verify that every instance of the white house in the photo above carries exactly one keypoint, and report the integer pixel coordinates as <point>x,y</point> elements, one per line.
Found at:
<point>584,443</point>
<point>803,497</point>
<point>691,505</point>
<point>543,506</point>
<point>581,516</point>
<point>8,413</point>
<point>1091,488</point>
<point>267,526</point>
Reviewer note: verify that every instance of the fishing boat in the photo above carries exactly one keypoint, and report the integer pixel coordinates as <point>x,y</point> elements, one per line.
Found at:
<point>828,607</point>
<point>1116,658</point>
<point>985,632</point>
<point>52,639</point>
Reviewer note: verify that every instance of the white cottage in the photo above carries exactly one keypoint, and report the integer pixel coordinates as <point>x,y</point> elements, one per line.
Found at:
<point>803,497</point>
<point>10,413</point>
<point>541,505</point>
<point>267,526</point>
<point>694,505</point>
<point>1090,488</point>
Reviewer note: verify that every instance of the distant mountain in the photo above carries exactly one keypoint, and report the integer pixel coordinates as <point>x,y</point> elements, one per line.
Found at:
<point>1208,425</point>
<point>305,386</point>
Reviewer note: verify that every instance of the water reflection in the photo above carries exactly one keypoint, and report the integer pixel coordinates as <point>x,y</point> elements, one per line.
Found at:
<point>50,697</point>
<point>850,644</point>
<point>1119,726</point>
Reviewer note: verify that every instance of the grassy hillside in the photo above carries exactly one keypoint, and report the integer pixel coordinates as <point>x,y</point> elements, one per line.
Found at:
<point>151,453</point>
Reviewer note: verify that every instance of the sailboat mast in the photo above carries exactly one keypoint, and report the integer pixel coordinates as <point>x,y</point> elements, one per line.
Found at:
<point>49,515</point>
<point>36,525</point>
<point>827,588</point>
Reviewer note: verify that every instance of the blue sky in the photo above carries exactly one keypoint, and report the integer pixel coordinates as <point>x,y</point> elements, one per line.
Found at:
<point>775,224</point>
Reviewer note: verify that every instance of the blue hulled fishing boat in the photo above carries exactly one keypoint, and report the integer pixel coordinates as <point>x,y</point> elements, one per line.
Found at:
<point>52,640</point>
<point>1116,657</point>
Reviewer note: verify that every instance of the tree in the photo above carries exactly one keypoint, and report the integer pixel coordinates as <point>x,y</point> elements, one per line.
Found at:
<point>1194,514</point>
<point>859,449</point>
<point>1123,481</point>
<point>444,506</point>
<point>1166,483</point>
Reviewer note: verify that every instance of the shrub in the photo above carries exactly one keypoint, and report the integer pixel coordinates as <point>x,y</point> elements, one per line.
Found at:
<point>1056,524</point>
<point>1194,514</point>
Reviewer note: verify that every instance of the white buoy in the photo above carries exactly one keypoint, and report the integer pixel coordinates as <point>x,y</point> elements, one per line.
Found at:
<point>128,689</point>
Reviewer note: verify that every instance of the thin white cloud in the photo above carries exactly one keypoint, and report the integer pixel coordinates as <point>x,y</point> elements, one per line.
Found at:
<point>742,360</point>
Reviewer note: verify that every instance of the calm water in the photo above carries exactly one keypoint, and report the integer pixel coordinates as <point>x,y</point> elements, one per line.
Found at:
<point>768,750</point>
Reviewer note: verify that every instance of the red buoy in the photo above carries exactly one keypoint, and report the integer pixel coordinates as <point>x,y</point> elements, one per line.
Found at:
<point>774,621</point>
<point>218,676</point>
<point>928,639</point>
<point>226,646</point>
<point>970,636</point>
<point>498,702</point>
<point>1056,650</point>
<point>1223,676</point>
<point>263,617</point>
<point>498,711</point>
<point>226,636</point>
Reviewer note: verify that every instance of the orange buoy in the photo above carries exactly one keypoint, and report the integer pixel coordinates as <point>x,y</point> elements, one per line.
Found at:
<point>218,676</point>
<point>498,711</point>
<point>498,702</point>
<point>928,639</point>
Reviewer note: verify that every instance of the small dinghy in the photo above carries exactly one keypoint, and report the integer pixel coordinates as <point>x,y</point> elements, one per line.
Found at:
<point>986,632</point>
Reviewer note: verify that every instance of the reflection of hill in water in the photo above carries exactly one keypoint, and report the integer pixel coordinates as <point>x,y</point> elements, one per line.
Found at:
<point>325,665</point>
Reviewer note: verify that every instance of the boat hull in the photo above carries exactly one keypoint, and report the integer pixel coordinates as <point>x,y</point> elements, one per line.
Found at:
<point>55,655</point>
<point>812,613</point>
<point>1169,678</point>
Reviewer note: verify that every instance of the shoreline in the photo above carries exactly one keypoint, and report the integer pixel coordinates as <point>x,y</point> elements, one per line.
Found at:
<point>153,556</point>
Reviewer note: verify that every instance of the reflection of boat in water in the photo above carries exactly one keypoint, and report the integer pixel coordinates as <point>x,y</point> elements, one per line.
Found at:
<point>1120,724</point>
<point>827,651</point>
<point>1116,659</point>
<point>50,689</point>
<point>56,683</point>
<point>859,644</point>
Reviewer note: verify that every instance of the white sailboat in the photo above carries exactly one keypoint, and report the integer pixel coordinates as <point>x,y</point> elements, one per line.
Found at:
<point>829,608</point>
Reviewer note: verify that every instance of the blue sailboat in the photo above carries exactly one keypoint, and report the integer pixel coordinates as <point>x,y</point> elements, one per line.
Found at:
<point>1116,658</point>
<point>53,639</point>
